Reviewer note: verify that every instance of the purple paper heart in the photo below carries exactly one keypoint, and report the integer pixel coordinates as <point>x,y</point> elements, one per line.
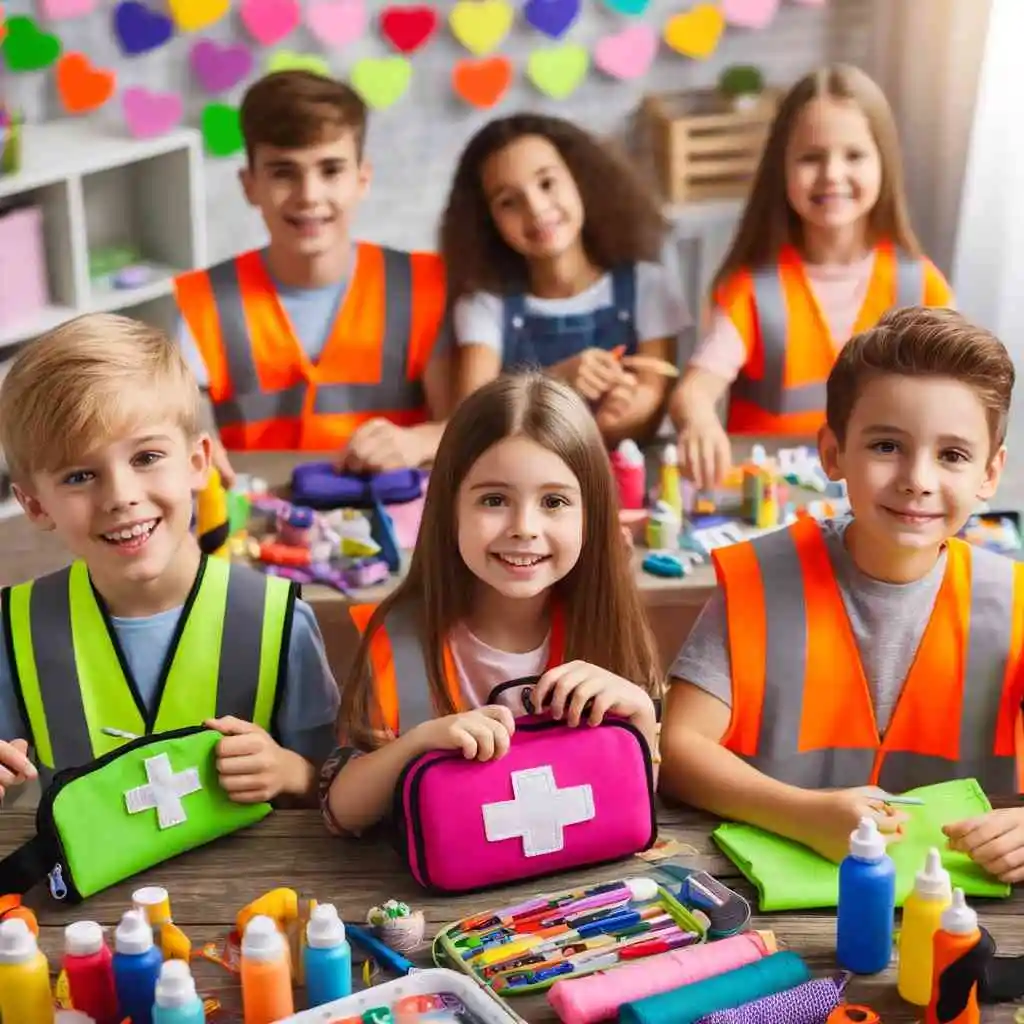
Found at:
<point>138,29</point>
<point>220,68</point>
<point>552,17</point>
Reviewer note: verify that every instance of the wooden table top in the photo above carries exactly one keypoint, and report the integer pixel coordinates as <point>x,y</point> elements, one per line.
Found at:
<point>291,848</point>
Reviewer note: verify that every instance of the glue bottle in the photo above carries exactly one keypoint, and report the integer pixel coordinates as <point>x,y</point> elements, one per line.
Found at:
<point>670,492</point>
<point>922,917</point>
<point>213,526</point>
<point>867,902</point>
<point>958,966</point>
<point>25,994</point>
<point>266,975</point>
<point>176,1000</point>
<point>136,967</point>
<point>327,957</point>
<point>89,967</point>
<point>630,472</point>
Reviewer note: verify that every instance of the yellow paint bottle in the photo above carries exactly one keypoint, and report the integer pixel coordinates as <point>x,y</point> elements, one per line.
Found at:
<point>669,481</point>
<point>25,994</point>
<point>922,918</point>
<point>213,525</point>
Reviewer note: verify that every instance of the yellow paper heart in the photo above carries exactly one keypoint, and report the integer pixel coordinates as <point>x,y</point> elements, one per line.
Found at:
<point>192,15</point>
<point>289,60</point>
<point>697,32</point>
<point>558,70</point>
<point>481,25</point>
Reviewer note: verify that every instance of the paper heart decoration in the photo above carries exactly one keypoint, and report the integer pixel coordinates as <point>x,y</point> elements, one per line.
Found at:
<point>289,60</point>
<point>482,83</point>
<point>82,87</point>
<point>222,134</point>
<point>552,17</point>
<point>558,70</point>
<point>269,21</point>
<point>481,25</point>
<point>631,8</point>
<point>138,29</point>
<point>749,13</point>
<point>149,114</point>
<point>408,28</point>
<point>627,54</point>
<point>57,10</point>
<point>217,67</point>
<point>337,22</point>
<point>193,15</point>
<point>381,81</point>
<point>26,47</point>
<point>697,32</point>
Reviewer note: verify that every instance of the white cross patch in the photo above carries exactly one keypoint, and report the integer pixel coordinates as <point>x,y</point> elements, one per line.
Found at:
<point>164,792</point>
<point>540,812</point>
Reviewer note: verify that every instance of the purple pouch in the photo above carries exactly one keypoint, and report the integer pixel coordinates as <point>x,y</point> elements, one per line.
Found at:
<point>319,485</point>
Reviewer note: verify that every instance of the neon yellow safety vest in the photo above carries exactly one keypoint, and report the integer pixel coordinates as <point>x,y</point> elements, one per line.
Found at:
<point>229,656</point>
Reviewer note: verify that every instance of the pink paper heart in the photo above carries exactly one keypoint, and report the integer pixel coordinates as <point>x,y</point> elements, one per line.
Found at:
<point>56,10</point>
<point>149,114</point>
<point>337,22</point>
<point>269,21</point>
<point>750,13</point>
<point>627,54</point>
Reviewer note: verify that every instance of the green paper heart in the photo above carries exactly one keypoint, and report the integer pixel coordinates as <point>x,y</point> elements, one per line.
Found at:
<point>289,60</point>
<point>381,81</point>
<point>26,47</point>
<point>558,70</point>
<point>222,134</point>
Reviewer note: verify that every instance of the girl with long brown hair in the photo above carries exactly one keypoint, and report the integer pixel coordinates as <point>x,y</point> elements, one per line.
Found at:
<point>519,571</point>
<point>823,249</point>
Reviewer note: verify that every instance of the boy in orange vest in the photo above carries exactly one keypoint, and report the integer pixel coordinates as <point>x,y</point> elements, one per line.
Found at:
<point>876,650</point>
<point>316,342</point>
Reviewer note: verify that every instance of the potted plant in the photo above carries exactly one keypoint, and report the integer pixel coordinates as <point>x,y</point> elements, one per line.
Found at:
<point>742,85</point>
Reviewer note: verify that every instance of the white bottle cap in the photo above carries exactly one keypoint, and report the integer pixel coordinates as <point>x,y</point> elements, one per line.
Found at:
<point>866,842</point>
<point>958,918</point>
<point>134,935</point>
<point>933,878</point>
<point>670,456</point>
<point>325,929</point>
<point>17,943</point>
<point>83,938</point>
<point>175,986</point>
<point>262,940</point>
<point>758,455</point>
<point>630,451</point>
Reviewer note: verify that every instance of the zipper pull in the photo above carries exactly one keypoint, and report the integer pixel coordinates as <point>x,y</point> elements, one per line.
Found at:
<point>58,890</point>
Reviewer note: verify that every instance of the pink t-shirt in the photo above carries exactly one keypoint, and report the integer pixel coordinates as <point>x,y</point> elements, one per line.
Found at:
<point>481,667</point>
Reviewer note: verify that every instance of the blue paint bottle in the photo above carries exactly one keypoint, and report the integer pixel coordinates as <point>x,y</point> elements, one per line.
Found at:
<point>136,967</point>
<point>867,903</point>
<point>327,957</point>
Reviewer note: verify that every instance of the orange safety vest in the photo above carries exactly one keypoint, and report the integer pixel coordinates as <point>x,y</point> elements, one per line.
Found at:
<point>801,707</point>
<point>790,349</point>
<point>400,678</point>
<point>265,390</point>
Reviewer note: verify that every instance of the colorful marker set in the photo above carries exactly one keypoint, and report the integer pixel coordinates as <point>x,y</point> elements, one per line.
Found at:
<point>531,945</point>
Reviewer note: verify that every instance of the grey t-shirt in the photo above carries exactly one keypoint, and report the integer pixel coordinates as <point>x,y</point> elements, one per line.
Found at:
<point>888,621</point>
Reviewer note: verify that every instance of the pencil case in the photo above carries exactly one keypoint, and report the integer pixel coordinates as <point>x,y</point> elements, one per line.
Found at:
<point>321,485</point>
<point>549,805</point>
<point>129,810</point>
<point>514,952</point>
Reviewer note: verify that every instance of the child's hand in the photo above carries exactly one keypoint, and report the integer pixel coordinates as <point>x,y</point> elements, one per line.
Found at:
<point>593,373</point>
<point>380,446</point>
<point>705,454</point>
<point>837,813</point>
<point>616,403</point>
<point>568,689</point>
<point>483,734</point>
<point>15,767</point>
<point>994,841</point>
<point>221,462</point>
<point>251,766</point>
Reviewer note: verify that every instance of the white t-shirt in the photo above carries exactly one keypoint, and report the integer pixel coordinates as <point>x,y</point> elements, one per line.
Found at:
<point>481,667</point>
<point>660,308</point>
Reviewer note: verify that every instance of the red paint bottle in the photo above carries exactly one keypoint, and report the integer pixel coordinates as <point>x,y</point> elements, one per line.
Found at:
<point>88,964</point>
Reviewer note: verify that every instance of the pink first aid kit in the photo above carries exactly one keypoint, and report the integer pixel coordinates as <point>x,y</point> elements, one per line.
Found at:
<point>560,799</point>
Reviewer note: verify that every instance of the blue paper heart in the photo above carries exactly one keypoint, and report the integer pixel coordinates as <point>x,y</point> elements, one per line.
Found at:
<point>631,8</point>
<point>552,17</point>
<point>139,29</point>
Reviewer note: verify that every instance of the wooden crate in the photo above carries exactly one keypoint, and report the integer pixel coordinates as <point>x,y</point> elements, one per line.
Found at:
<point>704,148</point>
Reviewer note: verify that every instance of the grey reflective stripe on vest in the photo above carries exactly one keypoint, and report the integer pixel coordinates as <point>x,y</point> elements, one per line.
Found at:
<point>785,668</point>
<point>769,391</point>
<point>412,680</point>
<point>250,404</point>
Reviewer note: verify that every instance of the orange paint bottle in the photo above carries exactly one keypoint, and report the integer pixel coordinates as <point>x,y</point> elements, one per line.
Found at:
<point>958,966</point>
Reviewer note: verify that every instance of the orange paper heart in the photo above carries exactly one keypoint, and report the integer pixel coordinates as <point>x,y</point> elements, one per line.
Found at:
<point>482,83</point>
<point>81,86</point>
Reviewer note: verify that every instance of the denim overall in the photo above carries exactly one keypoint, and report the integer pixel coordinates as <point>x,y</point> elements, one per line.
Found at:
<point>534,340</point>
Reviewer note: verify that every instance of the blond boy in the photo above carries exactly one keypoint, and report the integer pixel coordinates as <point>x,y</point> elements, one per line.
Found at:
<point>141,633</point>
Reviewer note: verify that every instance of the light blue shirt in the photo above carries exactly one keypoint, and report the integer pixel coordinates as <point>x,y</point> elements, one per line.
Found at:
<point>308,708</point>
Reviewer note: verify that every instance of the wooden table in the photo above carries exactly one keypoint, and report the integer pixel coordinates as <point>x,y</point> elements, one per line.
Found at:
<point>292,848</point>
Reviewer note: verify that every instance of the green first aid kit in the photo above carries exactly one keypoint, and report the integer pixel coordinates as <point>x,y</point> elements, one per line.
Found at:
<point>136,807</point>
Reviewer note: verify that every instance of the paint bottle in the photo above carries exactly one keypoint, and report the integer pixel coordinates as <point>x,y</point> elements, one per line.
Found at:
<point>136,967</point>
<point>630,474</point>
<point>266,977</point>
<point>176,1000</point>
<point>213,527</point>
<point>922,917</point>
<point>669,481</point>
<point>327,957</point>
<point>89,967</point>
<point>25,993</point>
<point>867,902</point>
<point>958,966</point>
